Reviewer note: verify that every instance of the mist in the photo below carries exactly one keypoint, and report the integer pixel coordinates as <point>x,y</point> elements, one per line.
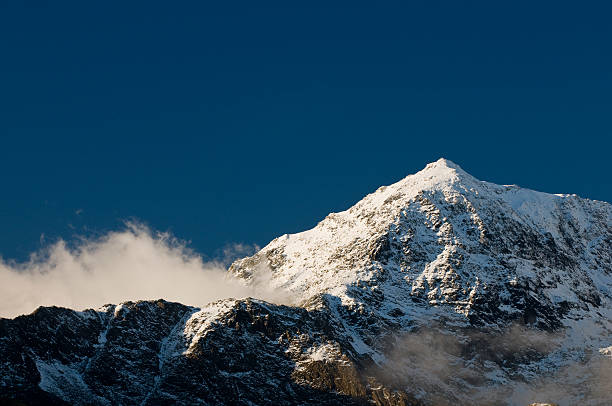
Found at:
<point>131,264</point>
<point>477,367</point>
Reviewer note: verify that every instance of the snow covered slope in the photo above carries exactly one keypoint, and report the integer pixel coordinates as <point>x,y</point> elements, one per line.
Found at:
<point>446,238</point>
<point>439,289</point>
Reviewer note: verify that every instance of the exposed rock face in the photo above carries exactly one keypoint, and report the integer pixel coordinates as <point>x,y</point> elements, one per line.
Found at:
<point>440,289</point>
<point>150,353</point>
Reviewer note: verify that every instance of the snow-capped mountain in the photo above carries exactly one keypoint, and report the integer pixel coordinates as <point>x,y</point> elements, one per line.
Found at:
<point>441,237</point>
<point>438,289</point>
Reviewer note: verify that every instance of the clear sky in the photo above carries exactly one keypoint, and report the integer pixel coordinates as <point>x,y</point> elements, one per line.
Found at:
<point>228,122</point>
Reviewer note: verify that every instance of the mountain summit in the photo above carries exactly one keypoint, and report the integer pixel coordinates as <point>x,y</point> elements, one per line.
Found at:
<point>443,238</point>
<point>437,289</point>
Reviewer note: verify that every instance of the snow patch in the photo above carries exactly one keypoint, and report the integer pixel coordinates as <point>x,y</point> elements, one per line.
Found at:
<point>62,381</point>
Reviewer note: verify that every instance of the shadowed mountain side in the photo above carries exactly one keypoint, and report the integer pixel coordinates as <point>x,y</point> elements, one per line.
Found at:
<point>233,352</point>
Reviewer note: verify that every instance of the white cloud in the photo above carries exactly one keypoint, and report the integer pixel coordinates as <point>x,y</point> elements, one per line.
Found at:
<point>133,264</point>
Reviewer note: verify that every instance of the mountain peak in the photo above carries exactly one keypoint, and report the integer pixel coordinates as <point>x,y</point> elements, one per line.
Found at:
<point>443,237</point>
<point>443,163</point>
<point>436,175</point>
<point>443,168</point>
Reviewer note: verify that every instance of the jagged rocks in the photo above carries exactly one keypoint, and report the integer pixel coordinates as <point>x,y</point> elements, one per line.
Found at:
<point>234,352</point>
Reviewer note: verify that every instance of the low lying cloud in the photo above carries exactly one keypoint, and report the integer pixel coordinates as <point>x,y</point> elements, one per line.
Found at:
<point>484,368</point>
<point>133,264</point>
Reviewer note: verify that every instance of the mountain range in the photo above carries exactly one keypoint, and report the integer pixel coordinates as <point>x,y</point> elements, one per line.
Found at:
<point>439,289</point>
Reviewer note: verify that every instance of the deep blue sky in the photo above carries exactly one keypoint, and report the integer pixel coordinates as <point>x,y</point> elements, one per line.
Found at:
<point>238,123</point>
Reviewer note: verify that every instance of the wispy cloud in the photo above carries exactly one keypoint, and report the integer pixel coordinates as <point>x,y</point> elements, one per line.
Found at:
<point>130,264</point>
